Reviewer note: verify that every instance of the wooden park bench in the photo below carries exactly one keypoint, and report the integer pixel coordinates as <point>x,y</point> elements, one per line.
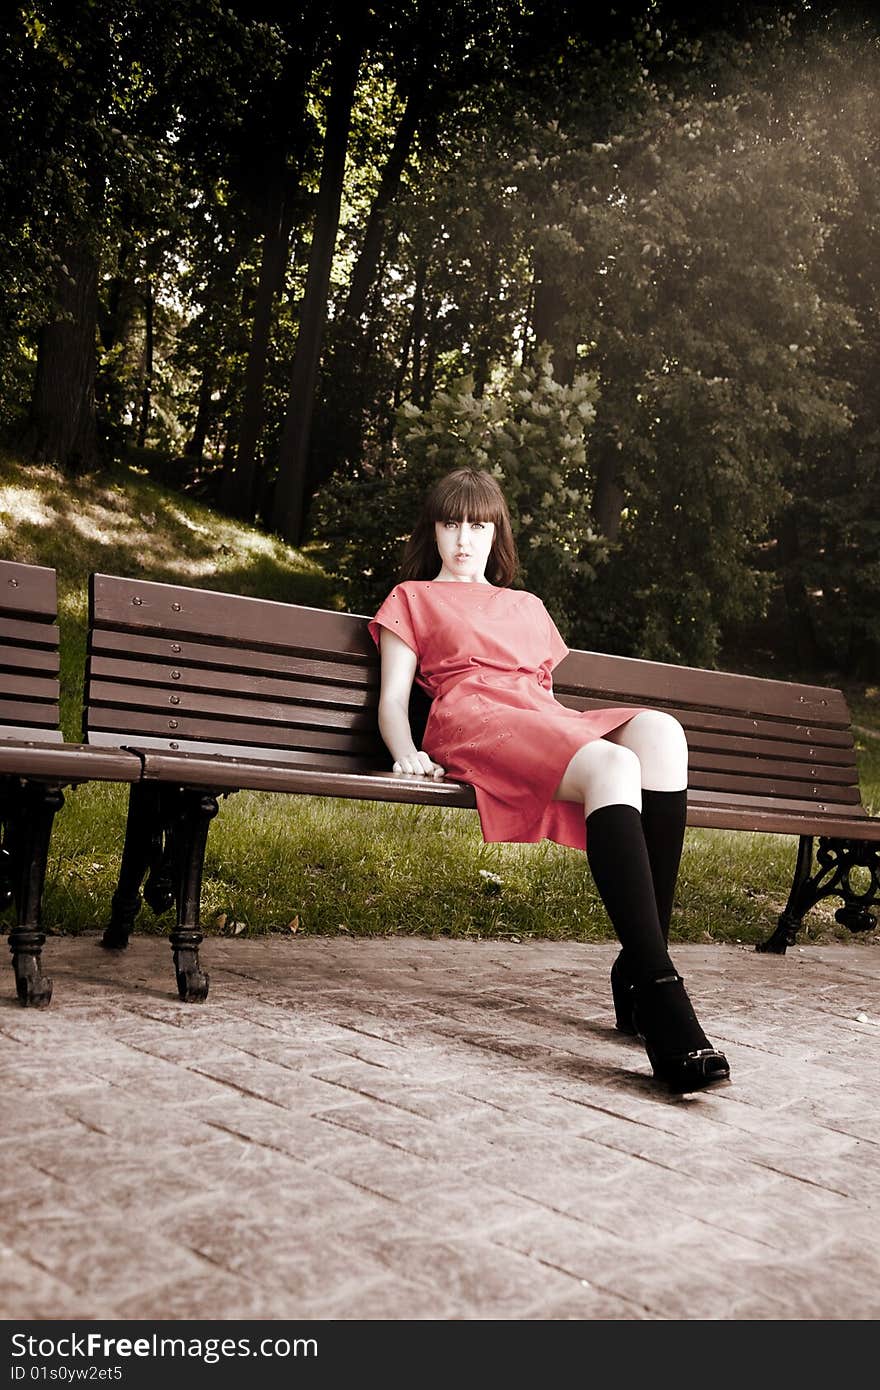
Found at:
<point>35,763</point>
<point>219,693</point>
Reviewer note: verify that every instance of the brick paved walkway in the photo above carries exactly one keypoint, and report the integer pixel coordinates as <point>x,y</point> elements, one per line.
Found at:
<point>435,1129</point>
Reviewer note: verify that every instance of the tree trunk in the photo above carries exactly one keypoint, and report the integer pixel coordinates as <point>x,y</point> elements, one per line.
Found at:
<point>418,323</point>
<point>365,269</point>
<point>608,495</point>
<point>148,366</point>
<point>431,358</point>
<point>195,446</point>
<point>61,429</point>
<point>483,335</point>
<point>290,492</point>
<point>550,315</point>
<point>528,327</point>
<point>796,600</point>
<point>239,474</point>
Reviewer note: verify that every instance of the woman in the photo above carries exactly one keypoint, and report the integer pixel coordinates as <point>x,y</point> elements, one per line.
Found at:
<point>610,781</point>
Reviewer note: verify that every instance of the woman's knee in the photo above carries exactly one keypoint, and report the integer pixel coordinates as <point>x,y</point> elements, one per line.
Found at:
<point>658,727</point>
<point>660,743</point>
<point>600,773</point>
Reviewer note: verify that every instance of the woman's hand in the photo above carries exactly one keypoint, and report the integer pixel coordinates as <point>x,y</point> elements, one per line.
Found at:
<point>419,765</point>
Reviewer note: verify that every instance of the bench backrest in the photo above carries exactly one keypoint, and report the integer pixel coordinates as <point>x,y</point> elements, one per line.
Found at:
<point>29,686</point>
<point>189,669</point>
<point>751,741</point>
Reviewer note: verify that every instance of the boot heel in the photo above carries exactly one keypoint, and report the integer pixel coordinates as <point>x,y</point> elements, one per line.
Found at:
<point>623,995</point>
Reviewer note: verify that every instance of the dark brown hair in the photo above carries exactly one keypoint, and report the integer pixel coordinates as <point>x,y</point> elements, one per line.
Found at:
<point>476,495</point>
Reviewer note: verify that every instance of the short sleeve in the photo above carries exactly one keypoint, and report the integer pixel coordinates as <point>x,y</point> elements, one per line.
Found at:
<point>556,646</point>
<point>396,616</point>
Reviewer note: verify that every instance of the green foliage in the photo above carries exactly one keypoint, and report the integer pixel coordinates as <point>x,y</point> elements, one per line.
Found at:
<point>530,431</point>
<point>682,204</point>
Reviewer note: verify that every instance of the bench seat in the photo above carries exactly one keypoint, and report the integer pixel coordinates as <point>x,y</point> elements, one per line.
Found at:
<point>66,764</point>
<point>708,810</point>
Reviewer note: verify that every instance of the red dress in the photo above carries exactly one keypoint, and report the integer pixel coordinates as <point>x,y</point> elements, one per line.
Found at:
<point>485,654</point>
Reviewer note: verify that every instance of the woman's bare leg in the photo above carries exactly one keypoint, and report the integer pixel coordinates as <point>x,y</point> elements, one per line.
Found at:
<point>659,743</point>
<point>602,774</point>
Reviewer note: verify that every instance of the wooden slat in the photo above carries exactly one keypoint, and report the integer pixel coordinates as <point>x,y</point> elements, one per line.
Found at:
<point>20,712</point>
<point>785,750</point>
<point>699,721</point>
<point>294,757</point>
<point>283,735</point>
<point>227,686</point>
<point>67,762</point>
<point>12,731</point>
<point>795,805</point>
<point>773,787</point>
<point>28,659</point>
<point>771,821</point>
<point>184,770</point>
<point>136,605</point>
<point>641,681</point>
<point>753,765</point>
<point>30,687</point>
<point>28,590</point>
<point>26,633</point>
<point>222,711</point>
<point>208,656</point>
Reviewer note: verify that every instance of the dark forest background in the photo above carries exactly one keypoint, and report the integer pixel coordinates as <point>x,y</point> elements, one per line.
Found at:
<point>300,258</point>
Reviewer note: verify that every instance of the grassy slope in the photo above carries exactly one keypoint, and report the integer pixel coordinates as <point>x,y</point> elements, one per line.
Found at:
<point>315,864</point>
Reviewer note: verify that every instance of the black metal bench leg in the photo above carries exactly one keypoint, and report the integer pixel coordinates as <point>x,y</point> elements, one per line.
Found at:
<point>196,811</point>
<point>31,811</point>
<point>143,850</point>
<point>836,860</point>
<point>800,900</point>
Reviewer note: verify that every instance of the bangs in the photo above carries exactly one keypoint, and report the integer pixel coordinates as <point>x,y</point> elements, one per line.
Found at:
<point>468,497</point>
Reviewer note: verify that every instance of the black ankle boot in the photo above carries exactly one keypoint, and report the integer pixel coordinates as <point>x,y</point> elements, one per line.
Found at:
<point>622,993</point>
<point>677,1048</point>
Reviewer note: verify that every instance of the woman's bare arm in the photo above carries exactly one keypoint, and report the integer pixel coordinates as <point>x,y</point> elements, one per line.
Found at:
<point>399,664</point>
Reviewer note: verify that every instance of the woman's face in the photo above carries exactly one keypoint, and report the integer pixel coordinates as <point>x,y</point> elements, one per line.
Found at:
<point>464,548</point>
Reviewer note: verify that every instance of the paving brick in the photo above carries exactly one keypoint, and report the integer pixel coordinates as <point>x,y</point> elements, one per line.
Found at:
<point>29,1292</point>
<point>434,1130</point>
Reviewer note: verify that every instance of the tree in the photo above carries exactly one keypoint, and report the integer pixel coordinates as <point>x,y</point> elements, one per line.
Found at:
<point>287,515</point>
<point>85,106</point>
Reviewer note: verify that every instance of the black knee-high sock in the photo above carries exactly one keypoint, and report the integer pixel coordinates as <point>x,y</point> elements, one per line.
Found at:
<point>664,816</point>
<point>619,862</point>
<point>618,858</point>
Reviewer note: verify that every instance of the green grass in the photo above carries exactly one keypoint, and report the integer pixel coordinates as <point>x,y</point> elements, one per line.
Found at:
<point>323,865</point>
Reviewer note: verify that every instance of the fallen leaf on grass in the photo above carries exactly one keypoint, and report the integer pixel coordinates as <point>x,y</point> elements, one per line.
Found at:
<point>294,924</point>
